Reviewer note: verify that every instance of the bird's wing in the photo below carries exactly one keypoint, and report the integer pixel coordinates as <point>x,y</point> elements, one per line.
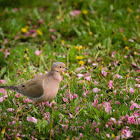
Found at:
<point>33,88</point>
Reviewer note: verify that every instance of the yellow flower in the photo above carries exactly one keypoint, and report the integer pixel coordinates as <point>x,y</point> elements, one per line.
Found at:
<point>85,12</point>
<point>58,17</point>
<point>127,75</point>
<point>63,42</point>
<point>127,48</point>
<point>18,138</point>
<point>113,136</point>
<point>79,57</point>
<point>39,32</point>
<point>23,30</point>
<point>27,58</point>
<point>135,53</point>
<point>124,38</point>
<point>81,63</point>
<point>85,100</point>
<point>137,17</point>
<point>83,81</point>
<point>27,49</point>
<point>90,33</point>
<point>26,27</point>
<point>100,68</point>
<point>78,47</point>
<point>3,131</point>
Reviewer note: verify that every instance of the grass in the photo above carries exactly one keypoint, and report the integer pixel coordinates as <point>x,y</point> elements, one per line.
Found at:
<point>99,104</point>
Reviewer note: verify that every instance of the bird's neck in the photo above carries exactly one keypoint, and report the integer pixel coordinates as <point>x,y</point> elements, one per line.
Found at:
<point>56,75</point>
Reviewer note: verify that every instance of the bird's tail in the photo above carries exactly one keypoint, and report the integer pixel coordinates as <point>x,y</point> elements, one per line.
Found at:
<point>13,87</point>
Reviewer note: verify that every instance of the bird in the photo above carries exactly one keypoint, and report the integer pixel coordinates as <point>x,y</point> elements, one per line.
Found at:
<point>42,88</point>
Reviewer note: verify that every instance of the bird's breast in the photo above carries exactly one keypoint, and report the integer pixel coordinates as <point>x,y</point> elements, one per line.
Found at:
<point>50,89</point>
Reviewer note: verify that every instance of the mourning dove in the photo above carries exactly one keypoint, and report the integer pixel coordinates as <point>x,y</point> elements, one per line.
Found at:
<point>42,88</point>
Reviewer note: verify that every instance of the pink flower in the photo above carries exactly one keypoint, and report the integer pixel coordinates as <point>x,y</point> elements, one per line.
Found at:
<point>95,102</point>
<point>80,75</point>
<point>89,60</point>
<point>107,107</point>
<point>128,133</point>
<point>4,92</point>
<point>95,82</point>
<point>131,40</point>
<point>119,76</point>
<point>40,21</point>
<point>64,87</point>
<point>75,96</point>
<point>6,53</point>
<point>133,105</point>
<point>10,109</point>
<point>94,64</point>
<point>5,41</point>
<point>70,96</point>
<point>113,120</point>
<point>64,126</point>
<point>1,99</point>
<point>38,52</point>
<point>78,69</point>
<point>65,99</point>
<point>74,13</point>
<point>104,73</point>
<point>131,120</point>
<point>117,102</point>
<point>47,115</point>
<point>53,37</point>
<point>16,10</point>
<point>95,90</point>
<point>137,85</point>
<point>71,116</point>
<point>88,78</point>
<point>77,12</point>
<point>81,135</point>
<point>97,130</point>
<point>108,135</point>
<point>52,30</point>
<point>133,64</point>
<point>32,119</point>
<point>2,81</point>
<point>131,90</point>
<point>1,50</point>
<point>110,85</point>
<point>138,80</point>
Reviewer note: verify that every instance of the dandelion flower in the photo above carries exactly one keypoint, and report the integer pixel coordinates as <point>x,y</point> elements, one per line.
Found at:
<point>24,30</point>
<point>79,57</point>
<point>85,12</point>
<point>127,48</point>
<point>81,63</point>
<point>39,32</point>
<point>113,136</point>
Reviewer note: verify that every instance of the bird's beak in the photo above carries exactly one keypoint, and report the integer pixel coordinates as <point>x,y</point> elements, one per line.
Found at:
<point>66,68</point>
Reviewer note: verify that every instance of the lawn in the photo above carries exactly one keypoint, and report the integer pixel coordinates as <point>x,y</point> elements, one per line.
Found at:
<point>99,41</point>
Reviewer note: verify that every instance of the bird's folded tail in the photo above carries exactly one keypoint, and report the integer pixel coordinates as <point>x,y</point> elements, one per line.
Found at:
<point>13,87</point>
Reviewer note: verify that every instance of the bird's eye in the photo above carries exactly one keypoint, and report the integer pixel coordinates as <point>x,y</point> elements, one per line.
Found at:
<point>60,66</point>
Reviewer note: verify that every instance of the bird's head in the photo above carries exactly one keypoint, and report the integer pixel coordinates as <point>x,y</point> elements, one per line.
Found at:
<point>59,67</point>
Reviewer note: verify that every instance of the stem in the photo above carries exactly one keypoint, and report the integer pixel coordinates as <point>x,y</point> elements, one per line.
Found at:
<point>116,74</point>
<point>52,56</point>
<point>127,80</point>
<point>17,117</point>
<point>51,123</point>
<point>68,65</point>
<point>97,54</point>
<point>40,62</point>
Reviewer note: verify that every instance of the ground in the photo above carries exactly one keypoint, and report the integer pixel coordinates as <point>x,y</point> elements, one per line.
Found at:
<point>99,41</point>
